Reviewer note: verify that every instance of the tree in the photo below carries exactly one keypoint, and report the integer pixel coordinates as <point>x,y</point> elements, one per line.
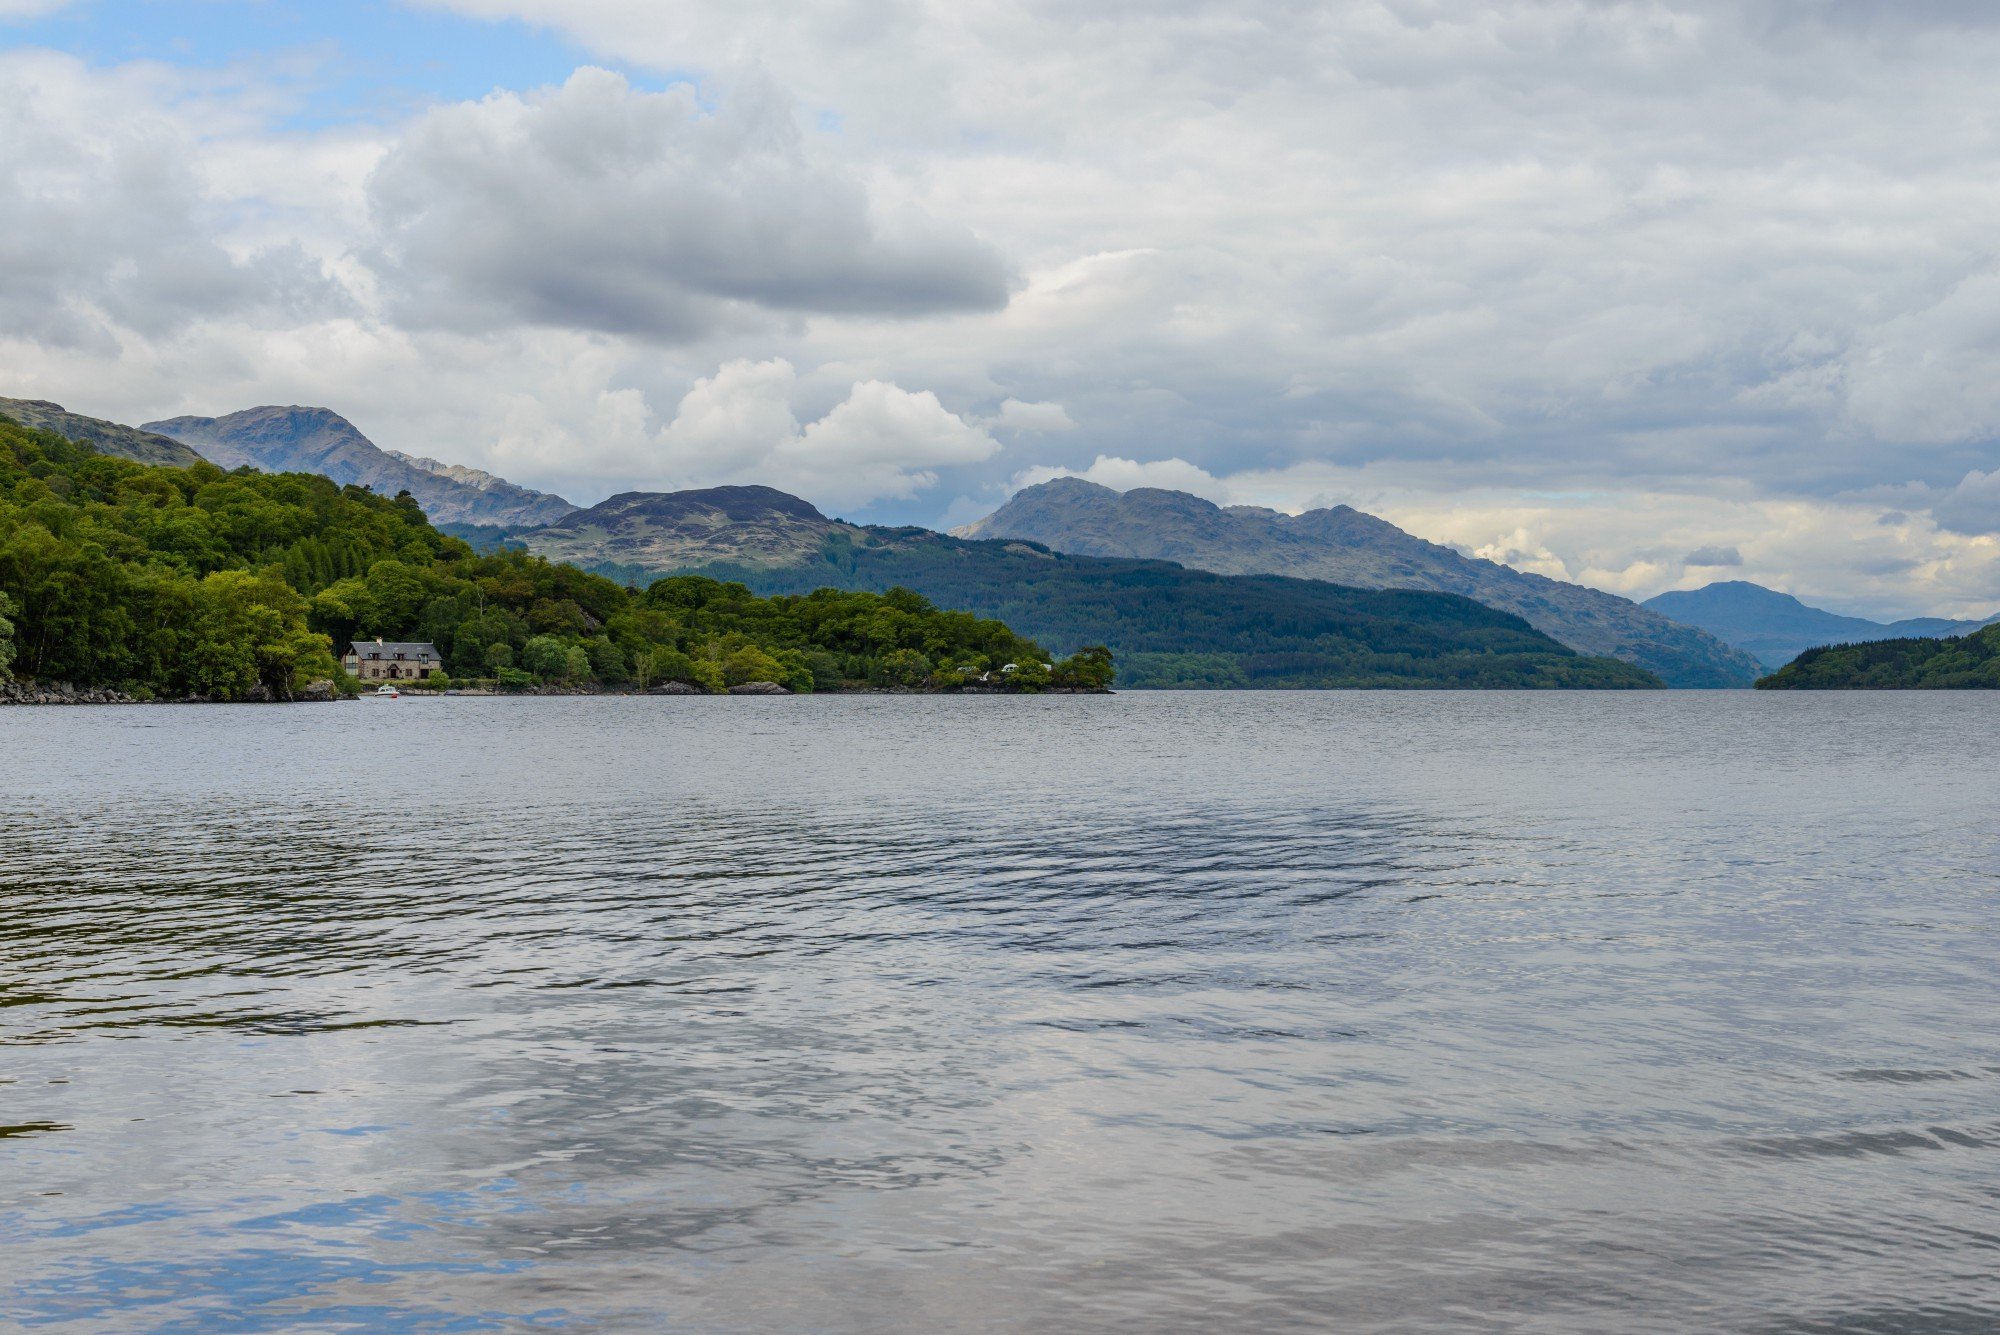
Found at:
<point>1087,669</point>
<point>905,667</point>
<point>6,638</point>
<point>607,662</point>
<point>751,664</point>
<point>546,656</point>
<point>1029,674</point>
<point>500,655</point>
<point>251,630</point>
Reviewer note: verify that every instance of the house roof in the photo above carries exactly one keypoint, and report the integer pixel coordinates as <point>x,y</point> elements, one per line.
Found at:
<point>390,648</point>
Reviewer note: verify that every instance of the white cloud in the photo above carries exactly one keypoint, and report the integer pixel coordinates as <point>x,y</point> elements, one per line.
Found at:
<point>1125,474</point>
<point>880,441</point>
<point>1016,415</point>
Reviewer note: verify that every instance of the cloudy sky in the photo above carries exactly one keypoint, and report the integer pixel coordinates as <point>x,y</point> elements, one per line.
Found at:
<point>1637,294</point>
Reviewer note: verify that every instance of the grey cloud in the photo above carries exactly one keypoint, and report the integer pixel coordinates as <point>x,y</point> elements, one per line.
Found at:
<point>598,206</point>
<point>1715,556</point>
<point>1973,506</point>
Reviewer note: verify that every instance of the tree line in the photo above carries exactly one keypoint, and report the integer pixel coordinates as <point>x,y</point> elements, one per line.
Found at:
<point>1963,662</point>
<point>167,582</point>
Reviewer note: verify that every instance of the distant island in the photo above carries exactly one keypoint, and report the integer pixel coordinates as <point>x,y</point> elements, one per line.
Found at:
<point>1964,662</point>
<point>162,581</point>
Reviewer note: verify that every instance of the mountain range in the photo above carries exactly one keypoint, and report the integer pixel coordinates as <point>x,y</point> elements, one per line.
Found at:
<point>1776,627</point>
<point>1167,625</point>
<point>319,440</point>
<point>1043,540</point>
<point>104,437</point>
<point>1345,546</point>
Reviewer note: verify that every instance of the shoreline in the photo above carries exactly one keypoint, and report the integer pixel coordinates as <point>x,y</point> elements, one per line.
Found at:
<point>14,693</point>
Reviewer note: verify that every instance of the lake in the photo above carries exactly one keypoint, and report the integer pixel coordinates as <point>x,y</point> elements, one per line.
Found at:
<point>1206,1012</point>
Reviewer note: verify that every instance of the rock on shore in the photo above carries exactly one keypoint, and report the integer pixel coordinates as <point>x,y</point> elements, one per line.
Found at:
<point>59,693</point>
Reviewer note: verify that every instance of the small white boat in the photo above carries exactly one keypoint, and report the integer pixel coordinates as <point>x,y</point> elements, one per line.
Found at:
<point>387,693</point>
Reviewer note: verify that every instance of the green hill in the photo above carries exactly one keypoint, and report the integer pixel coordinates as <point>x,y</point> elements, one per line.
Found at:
<point>164,581</point>
<point>1167,625</point>
<point>1963,663</point>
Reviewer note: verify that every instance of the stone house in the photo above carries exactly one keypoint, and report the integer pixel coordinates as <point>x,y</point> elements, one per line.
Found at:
<point>393,660</point>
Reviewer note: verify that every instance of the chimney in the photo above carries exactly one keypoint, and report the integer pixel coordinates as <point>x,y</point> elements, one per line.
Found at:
<point>378,639</point>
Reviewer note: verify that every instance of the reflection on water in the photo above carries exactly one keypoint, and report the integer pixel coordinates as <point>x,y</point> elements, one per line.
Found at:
<point>1370,1012</point>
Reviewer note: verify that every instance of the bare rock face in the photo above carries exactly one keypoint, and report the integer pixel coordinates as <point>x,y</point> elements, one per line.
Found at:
<point>676,688</point>
<point>759,688</point>
<point>318,691</point>
<point>260,694</point>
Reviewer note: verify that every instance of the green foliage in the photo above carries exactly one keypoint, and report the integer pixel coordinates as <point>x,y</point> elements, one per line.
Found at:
<point>1967,662</point>
<point>1174,627</point>
<point>179,580</point>
<point>1089,668</point>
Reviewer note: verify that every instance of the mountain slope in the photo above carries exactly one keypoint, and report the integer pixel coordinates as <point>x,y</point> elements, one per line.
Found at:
<point>1345,546</point>
<point>318,440</point>
<point>1776,627</point>
<point>1923,663</point>
<point>1168,626</point>
<point>104,437</point>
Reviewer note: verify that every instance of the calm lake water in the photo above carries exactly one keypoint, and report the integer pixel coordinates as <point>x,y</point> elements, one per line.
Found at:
<point>1358,1012</point>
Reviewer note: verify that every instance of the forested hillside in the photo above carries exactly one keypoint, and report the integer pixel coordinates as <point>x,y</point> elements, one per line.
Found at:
<point>1168,626</point>
<point>177,581</point>
<point>1967,662</point>
<point>1173,627</point>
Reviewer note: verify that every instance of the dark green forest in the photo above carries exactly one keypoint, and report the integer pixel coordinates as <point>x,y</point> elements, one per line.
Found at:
<point>1174,627</point>
<point>1968,662</point>
<point>169,582</point>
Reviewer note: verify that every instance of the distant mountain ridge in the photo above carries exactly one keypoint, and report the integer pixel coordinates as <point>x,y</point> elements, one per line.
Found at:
<point>1346,546</point>
<point>1167,625</point>
<point>105,437</point>
<point>1777,627</point>
<point>753,527</point>
<point>318,440</point>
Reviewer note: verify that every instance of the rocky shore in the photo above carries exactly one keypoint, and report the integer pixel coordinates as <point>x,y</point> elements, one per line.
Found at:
<point>59,693</point>
<point>62,693</point>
